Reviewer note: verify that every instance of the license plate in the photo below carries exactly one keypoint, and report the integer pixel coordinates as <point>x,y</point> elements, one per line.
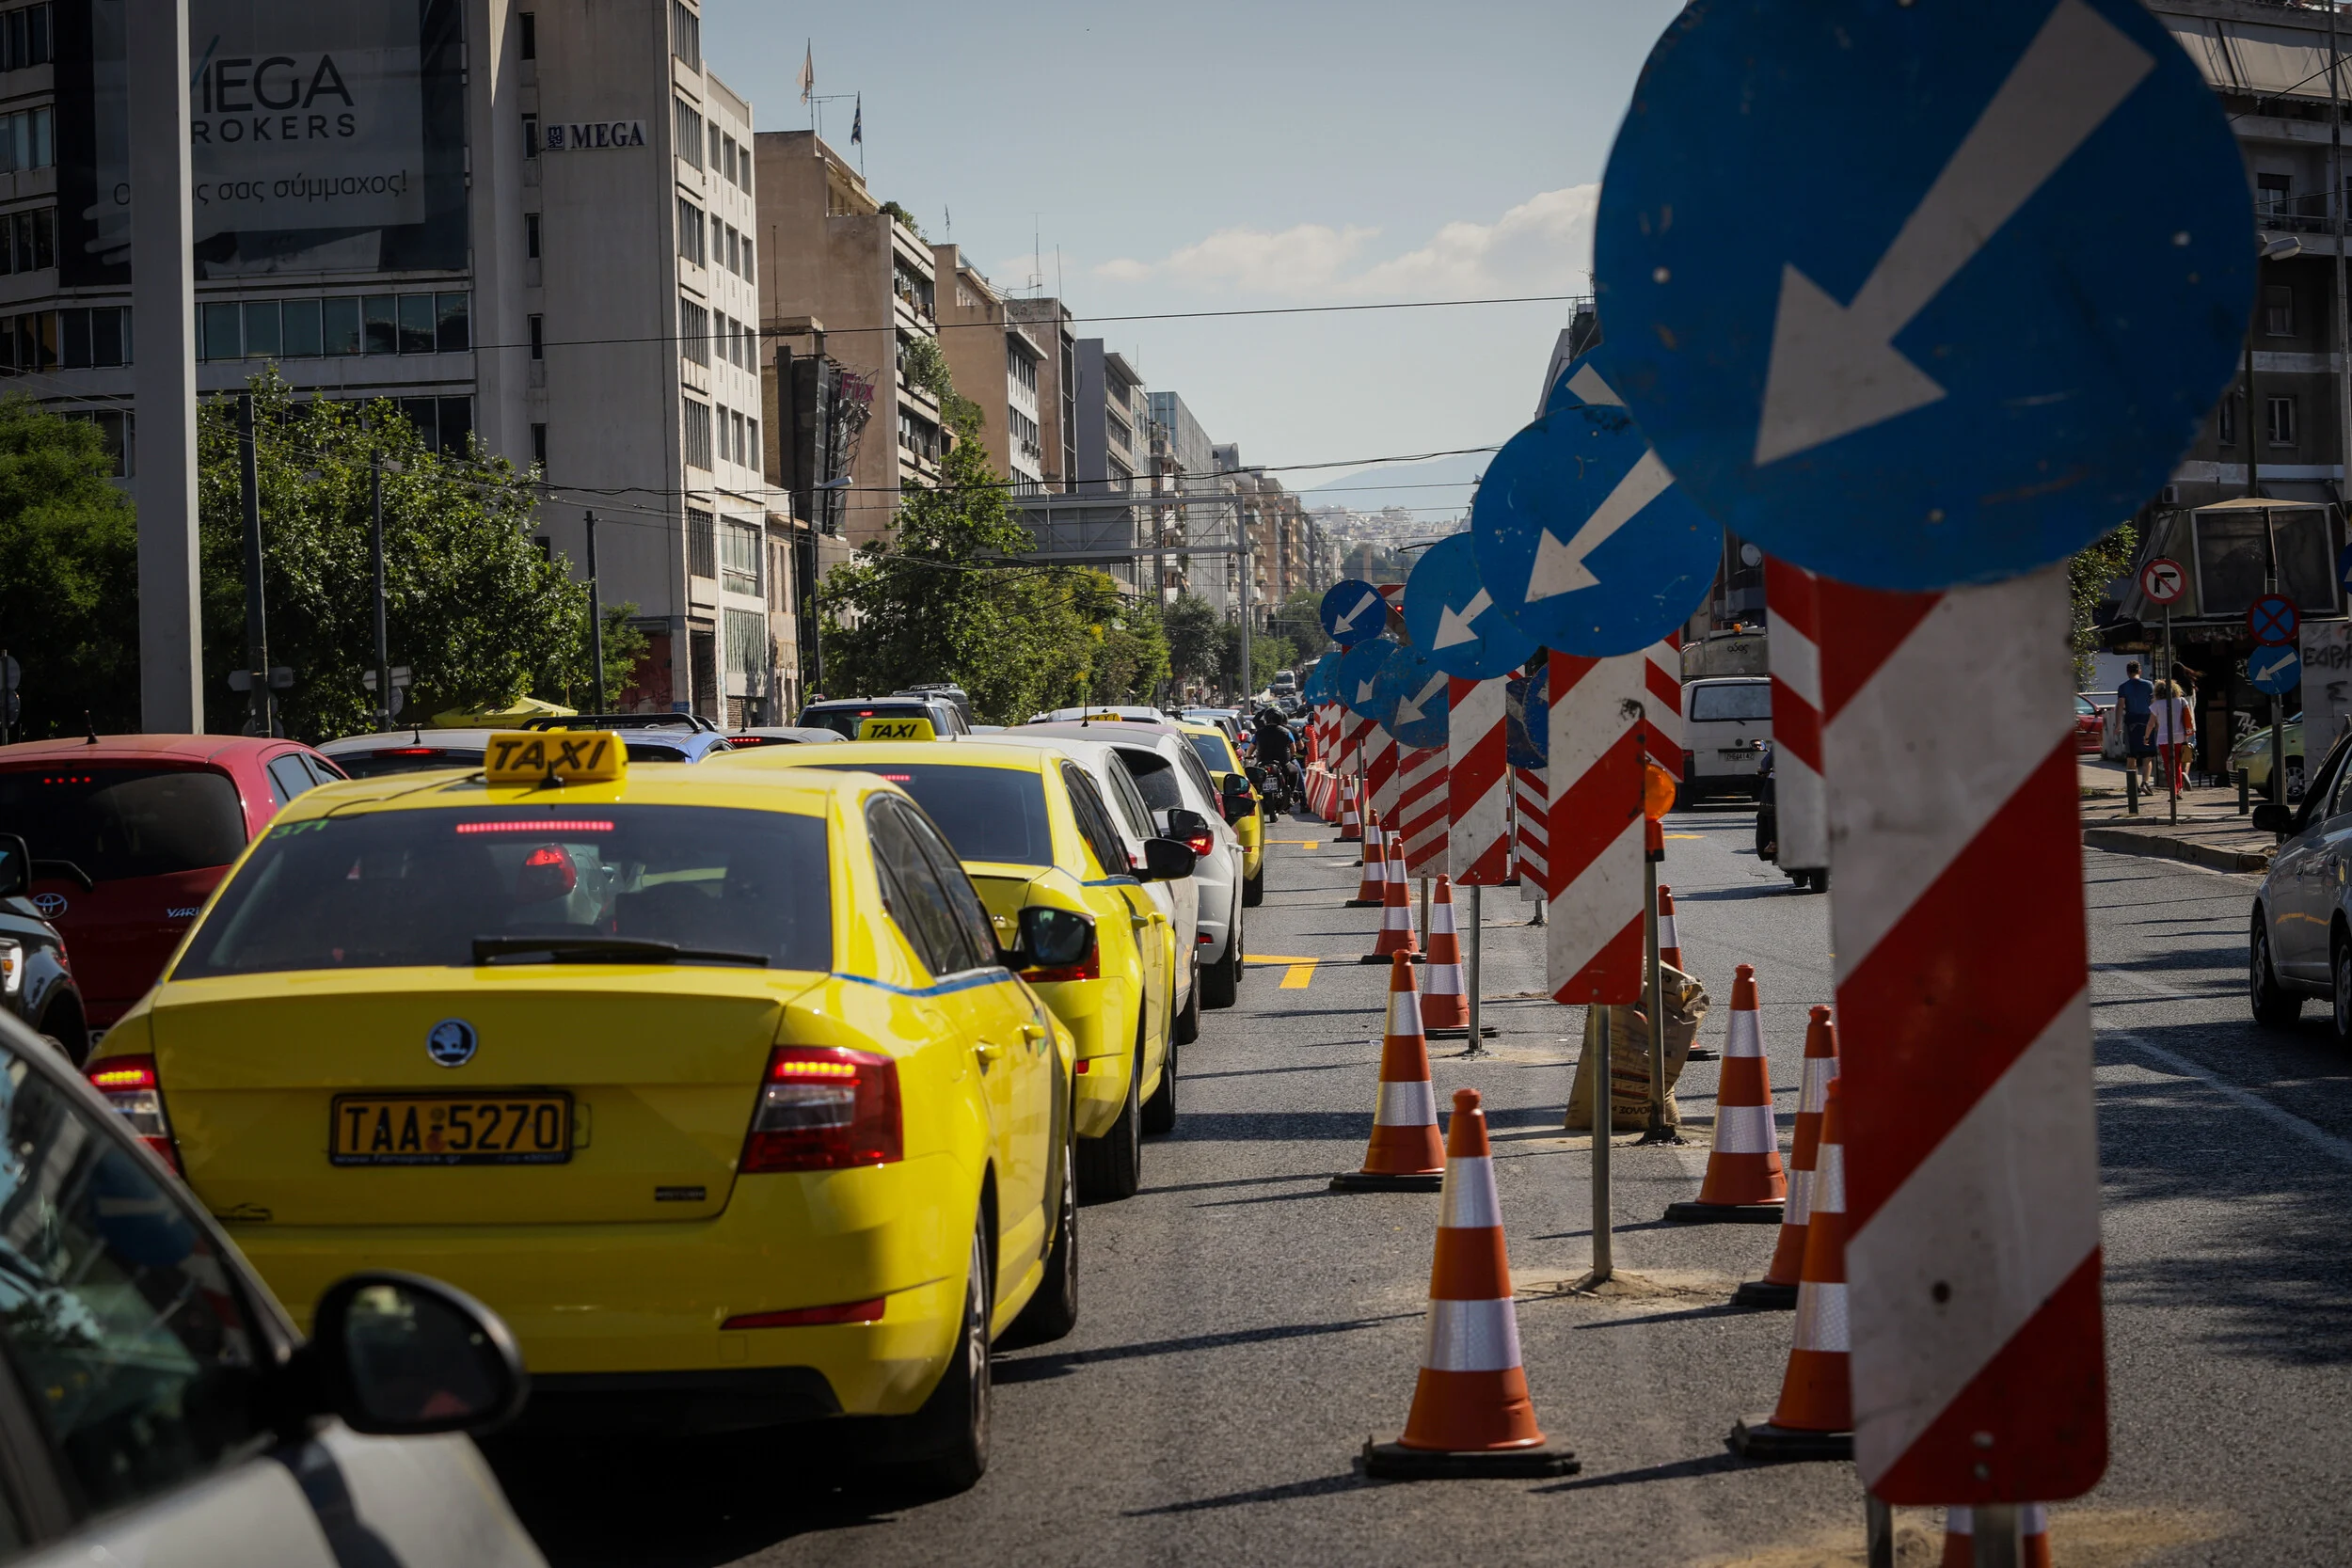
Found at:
<point>527,1128</point>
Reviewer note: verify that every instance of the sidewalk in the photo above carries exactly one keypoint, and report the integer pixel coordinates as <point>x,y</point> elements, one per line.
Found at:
<point>2209,833</point>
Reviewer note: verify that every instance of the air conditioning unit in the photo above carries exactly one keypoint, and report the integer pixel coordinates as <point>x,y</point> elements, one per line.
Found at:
<point>2168,495</point>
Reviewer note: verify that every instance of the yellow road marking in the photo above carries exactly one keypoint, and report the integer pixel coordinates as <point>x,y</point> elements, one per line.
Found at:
<point>1274,959</point>
<point>1318,844</point>
<point>1297,977</point>
<point>1686,835</point>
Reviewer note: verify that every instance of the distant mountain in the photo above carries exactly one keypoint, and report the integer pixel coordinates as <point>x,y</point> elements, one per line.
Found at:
<point>1403,485</point>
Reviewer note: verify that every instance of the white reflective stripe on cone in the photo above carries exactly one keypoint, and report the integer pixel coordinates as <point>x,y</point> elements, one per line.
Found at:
<point>1744,1037</point>
<point>2034,1519</point>
<point>1468,1202</point>
<point>1821,1318</point>
<point>1471,1336</point>
<point>1799,1207</point>
<point>1666,936</point>
<point>1404,1013</point>
<point>1828,1195</point>
<point>1814,1095</point>
<point>1442,980</point>
<point>1411,1103</point>
<point>1745,1130</point>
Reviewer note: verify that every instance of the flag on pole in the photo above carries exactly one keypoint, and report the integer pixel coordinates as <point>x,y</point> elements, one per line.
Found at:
<point>857,122</point>
<point>808,71</point>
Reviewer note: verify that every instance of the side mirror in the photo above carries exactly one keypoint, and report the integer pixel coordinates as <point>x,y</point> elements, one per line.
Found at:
<point>2272,817</point>
<point>1050,939</point>
<point>16,867</point>
<point>1166,861</point>
<point>1235,795</point>
<point>401,1355</point>
<point>1257,776</point>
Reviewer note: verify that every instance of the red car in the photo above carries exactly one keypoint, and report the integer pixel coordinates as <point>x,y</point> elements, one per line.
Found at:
<point>129,834</point>
<point>2090,724</point>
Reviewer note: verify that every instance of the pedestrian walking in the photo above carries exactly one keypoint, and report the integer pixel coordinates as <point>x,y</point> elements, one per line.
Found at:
<point>2133,699</point>
<point>2172,731</point>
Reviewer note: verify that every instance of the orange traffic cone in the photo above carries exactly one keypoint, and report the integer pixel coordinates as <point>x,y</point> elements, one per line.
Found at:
<point>1669,944</point>
<point>2033,1530</point>
<point>1744,1181</point>
<point>1814,1417</point>
<point>1778,1288</point>
<point>1371,888</point>
<point>1396,911</point>
<point>1351,826</point>
<point>1471,1415</point>
<point>1444,1004</point>
<point>1406,1152</point>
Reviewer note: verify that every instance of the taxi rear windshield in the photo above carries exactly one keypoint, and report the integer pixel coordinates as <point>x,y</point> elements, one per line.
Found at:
<point>119,822</point>
<point>423,889</point>
<point>1211,750</point>
<point>845,719</point>
<point>988,814</point>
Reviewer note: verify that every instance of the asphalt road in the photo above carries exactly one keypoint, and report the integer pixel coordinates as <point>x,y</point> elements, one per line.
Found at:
<point>1244,1329</point>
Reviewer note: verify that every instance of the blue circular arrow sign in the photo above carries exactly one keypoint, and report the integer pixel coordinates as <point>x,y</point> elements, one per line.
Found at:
<point>1356,680</point>
<point>2277,671</point>
<point>1581,536</point>
<point>1983,326</point>
<point>1353,613</point>
<point>1452,619</point>
<point>1413,689</point>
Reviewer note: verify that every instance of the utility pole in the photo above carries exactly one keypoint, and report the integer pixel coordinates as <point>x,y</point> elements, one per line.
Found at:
<point>2335,210</point>
<point>375,548</point>
<point>595,615</point>
<point>1248,686</point>
<point>258,719</point>
<point>162,373</point>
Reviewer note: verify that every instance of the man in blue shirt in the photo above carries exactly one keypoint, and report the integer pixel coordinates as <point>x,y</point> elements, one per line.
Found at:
<point>2133,699</point>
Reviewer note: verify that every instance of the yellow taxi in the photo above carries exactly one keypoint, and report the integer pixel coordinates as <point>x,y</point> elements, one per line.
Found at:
<point>1240,797</point>
<point>1034,832</point>
<point>721,1090</point>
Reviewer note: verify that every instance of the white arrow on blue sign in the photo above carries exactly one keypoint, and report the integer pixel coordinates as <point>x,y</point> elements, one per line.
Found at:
<point>1985,324</point>
<point>1414,691</point>
<point>1356,680</point>
<point>1581,536</point>
<point>2277,671</point>
<point>1353,611</point>
<point>1450,615</point>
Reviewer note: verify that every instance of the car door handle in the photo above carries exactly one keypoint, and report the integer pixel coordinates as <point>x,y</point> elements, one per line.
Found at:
<point>987,1051</point>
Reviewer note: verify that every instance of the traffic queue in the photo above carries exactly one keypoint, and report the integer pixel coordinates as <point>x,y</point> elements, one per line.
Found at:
<point>727,1086</point>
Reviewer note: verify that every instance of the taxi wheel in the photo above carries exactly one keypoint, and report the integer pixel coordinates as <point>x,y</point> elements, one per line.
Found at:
<point>1159,1112</point>
<point>2275,1007</point>
<point>1053,1312</point>
<point>2340,970</point>
<point>1223,977</point>
<point>1253,889</point>
<point>1188,1022</point>
<point>951,1429</point>
<point>1111,1167</point>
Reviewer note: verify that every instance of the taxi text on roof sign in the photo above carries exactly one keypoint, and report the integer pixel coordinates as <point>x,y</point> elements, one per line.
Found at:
<point>585,756</point>
<point>896,729</point>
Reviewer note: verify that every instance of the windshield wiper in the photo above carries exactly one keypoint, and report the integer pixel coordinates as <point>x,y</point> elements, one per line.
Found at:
<point>596,949</point>
<point>66,869</point>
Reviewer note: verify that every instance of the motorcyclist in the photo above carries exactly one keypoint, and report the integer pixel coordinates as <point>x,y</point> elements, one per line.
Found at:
<point>1272,732</point>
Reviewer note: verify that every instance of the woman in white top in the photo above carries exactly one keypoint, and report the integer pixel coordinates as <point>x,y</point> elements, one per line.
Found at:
<point>2172,728</point>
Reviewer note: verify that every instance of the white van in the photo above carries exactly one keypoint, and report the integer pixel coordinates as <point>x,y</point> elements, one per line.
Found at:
<point>1722,723</point>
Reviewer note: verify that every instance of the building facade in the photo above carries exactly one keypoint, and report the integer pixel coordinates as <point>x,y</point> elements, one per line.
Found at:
<point>998,364</point>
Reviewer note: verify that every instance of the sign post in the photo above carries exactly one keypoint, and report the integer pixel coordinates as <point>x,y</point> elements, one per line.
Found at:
<point>2275,621</point>
<point>2164,582</point>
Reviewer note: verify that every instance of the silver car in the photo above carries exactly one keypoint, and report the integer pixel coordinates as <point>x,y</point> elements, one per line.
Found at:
<point>163,1409</point>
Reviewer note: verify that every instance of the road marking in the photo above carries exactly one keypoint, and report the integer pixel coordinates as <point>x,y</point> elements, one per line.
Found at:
<point>1686,835</point>
<point>1299,843</point>
<point>1297,977</point>
<point>1274,959</point>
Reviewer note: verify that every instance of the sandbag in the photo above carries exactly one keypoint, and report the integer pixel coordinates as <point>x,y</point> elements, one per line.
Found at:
<point>1686,1003</point>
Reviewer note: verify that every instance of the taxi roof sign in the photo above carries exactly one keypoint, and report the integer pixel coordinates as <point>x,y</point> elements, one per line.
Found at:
<point>560,756</point>
<point>895,729</point>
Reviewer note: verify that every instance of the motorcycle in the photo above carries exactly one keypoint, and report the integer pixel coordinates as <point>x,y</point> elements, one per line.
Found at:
<point>1276,787</point>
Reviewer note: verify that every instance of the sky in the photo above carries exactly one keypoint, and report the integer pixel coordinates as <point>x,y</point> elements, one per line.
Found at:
<point>1223,156</point>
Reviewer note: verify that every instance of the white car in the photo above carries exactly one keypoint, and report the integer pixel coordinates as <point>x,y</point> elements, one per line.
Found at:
<point>181,1417</point>
<point>412,751</point>
<point>1170,776</point>
<point>1723,719</point>
<point>1104,713</point>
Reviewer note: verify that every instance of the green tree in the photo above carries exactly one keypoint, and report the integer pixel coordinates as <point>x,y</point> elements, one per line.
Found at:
<point>69,574</point>
<point>1132,658</point>
<point>474,607</point>
<point>2087,576</point>
<point>1195,638</point>
<point>1268,654</point>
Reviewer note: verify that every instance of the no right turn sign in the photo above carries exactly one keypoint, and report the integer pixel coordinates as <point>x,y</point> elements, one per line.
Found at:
<point>2163,581</point>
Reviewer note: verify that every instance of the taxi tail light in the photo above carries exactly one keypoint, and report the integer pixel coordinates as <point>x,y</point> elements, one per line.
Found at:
<point>1088,968</point>
<point>808,1317</point>
<point>1200,843</point>
<point>131,1086</point>
<point>825,1108</point>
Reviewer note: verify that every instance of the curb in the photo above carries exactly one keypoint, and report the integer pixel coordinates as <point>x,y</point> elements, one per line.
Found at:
<point>2134,841</point>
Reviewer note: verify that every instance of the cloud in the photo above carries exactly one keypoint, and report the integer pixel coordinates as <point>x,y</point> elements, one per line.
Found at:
<point>1541,245</point>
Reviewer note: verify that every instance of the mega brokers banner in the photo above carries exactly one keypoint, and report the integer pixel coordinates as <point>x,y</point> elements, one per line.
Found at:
<point>325,136</point>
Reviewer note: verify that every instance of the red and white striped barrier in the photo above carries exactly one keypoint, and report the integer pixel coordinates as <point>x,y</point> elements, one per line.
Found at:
<point>1792,596</point>
<point>1478,783</point>
<point>1380,779</point>
<point>1661,680</point>
<point>1972,1156</point>
<point>1594,829</point>
<point>1422,808</point>
<point>1355,737</point>
<point>1530,803</point>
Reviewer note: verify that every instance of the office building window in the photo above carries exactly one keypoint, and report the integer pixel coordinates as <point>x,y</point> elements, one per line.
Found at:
<point>734,251</point>
<point>28,240</point>
<point>530,135</point>
<point>738,563</point>
<point>539,448</point>
<point>755,458</point>
<point>304,335</point>
<point>26,39</point>
<point>117,432</point>
<point>702,546</point>
<point>452,323</point>
<point>718,241</point>
<point>2282,421</point>
<point>714,149</point>
<point>380,324</point>
<point>443,425</point>
<point>697,437</point>
<point>686,36</point>
<point>100,337</point>
<point>2278,311</point>
<point>690,231</point>
<point>28,140</point>
<point>743,452</point>
<point>687,131</point>
<point>29,342</point>
<point>338,325</point>
<point>531,236</point>
<point>341,324</point>
<point>538,337</point>
<point>747,649</point>
<point>693,333</point>
<point>529,29</point>
<point>417,319</point>
<point>262,339</point>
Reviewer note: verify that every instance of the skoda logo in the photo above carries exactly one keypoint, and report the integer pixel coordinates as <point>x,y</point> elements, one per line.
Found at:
<point>50,904</point>
<point>451,1042</point>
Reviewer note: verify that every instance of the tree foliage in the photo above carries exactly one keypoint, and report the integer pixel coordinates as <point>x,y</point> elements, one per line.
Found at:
<point>69,574</point>
<point>1195,638</point>
<point>2087,576</point>
<point>474,607</point>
